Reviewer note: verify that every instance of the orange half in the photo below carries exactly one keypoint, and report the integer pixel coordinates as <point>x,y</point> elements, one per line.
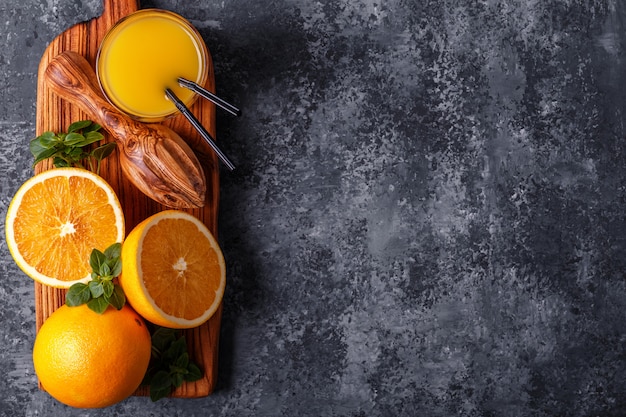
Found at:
<point>173,270</point>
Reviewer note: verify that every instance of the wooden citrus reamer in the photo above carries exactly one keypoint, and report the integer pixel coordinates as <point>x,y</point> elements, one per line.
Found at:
<point>152,156</point>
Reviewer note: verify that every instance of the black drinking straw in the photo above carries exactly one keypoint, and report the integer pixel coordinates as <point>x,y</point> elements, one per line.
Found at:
<point>203,132</point>
<point>209,96</point>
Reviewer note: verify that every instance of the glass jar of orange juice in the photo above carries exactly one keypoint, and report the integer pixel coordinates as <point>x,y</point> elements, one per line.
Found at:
<point>145,53</point>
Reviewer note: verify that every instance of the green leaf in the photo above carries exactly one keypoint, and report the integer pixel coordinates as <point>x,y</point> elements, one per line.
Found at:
<point>41,144</point>
<point>99,305</point>
<point>96,288</point>
<point>170,364</point>
<point>75,154</point>
<point>93,127</point>
<point>156,394</point>
<point>105,269</point>
<point>177,379</point>
<point>177,348</point>
<point>44,154</point>
<point>182,361</point>
<point>69,148</point>
<point>161,381</point>
<point>113,251</point>
<point>60,162</point>
<point>78,294</point>
<point>193,373</point>
<point>96,260</point>
<point>36,147</point>
<point>108,288</point>
<point>92,137</point>
<point>100,292</point>
<point>47,139</point>
<point>162,338</point>
<point>76,126</point>
<point>115,267</point>
<point>117,299</point>
<point>100,153</point>
<point>73,139</point>
<point>103,151</point>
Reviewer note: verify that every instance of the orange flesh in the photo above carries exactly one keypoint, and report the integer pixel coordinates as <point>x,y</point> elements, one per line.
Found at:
<point>58,224</point>
<point>180,269</point>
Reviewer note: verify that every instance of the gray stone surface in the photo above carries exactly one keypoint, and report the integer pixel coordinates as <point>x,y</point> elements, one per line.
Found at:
<point>428,215</point>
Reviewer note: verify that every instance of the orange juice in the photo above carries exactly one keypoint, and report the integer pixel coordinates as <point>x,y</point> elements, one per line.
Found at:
<point>145,53</point>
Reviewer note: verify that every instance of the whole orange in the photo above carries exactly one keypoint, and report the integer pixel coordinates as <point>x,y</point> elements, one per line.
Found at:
<point>90,360</point>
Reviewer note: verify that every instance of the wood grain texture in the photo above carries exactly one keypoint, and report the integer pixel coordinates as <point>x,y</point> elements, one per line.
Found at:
<point>56,114</point>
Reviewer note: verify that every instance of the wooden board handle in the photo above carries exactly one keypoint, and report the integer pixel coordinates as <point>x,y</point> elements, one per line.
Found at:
<point>116,9</point>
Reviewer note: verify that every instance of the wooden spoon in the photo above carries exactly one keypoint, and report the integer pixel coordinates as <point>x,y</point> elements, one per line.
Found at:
<point>153,157</point>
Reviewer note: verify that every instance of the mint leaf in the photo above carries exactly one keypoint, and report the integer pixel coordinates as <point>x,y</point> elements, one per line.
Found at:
<point>105,270</point>
<point>60,162</point>
<point>96,289</point>
<point>113,251</point>
<point>101,291</point>
<point>43,143</point>
<point>103,151</point>
<point>46,140</point>
<point>76,126</point>
<point>99,305</point>
<point>193,373</point>
<point>160,385</point>
<point>92,127</point>
<point>115,267</point>
<point>71,148</point>
<point>41,154</point>
<point>161,380</point>
<point>117,298</point>
<point>75,154</point>
<point>170,364</point>
<point>178,348</point>
<point>177,379</point>
<point>78,294</point>
<point>73,139</point>
<point>162,338</point>
<point>107,287</point>
<point>91,137</point>
<point>96,260</point>
<point>182,361</point>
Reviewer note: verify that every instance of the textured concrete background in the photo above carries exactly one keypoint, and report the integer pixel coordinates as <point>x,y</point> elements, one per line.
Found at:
<point>428,216</point>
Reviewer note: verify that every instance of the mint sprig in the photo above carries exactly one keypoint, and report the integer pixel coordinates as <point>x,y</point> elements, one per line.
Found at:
<point>70,149</point>
<point>101,291</point>
<point>170,364</point>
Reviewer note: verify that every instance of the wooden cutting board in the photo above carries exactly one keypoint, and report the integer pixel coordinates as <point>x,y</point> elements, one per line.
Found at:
<point>56,115</point>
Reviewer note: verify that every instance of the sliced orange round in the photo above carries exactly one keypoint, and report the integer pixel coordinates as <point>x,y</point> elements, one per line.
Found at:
<point>173,271</point>
<point>56,219</point>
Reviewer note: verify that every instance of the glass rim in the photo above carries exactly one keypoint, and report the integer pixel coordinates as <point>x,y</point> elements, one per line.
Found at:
<point>119,26</point>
